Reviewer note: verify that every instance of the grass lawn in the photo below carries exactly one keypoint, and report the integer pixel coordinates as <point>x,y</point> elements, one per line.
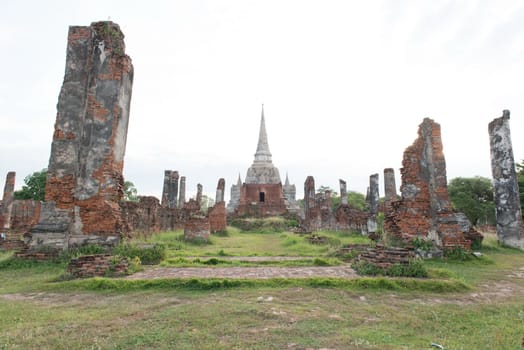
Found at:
<point>40,312</point>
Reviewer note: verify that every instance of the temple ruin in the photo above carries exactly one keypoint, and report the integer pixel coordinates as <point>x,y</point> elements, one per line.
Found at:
<point>84,178</point>
<point>262,193</point>
<point>424,210</point>
<point>170,190</point>
<point>84,186</point>
<point>319,214</point>
<point>510,230</point>
<point>373,201</point>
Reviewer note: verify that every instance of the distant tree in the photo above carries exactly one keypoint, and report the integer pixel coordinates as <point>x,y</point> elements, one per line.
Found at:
<point>130,192</point>
<point>335,198</point>
<point>520,174</point>
<point>473,197</point>
<point>357,200</point>
<point>34,187</point>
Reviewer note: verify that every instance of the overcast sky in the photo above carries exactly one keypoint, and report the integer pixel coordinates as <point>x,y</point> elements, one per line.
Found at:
<point>345,84</point>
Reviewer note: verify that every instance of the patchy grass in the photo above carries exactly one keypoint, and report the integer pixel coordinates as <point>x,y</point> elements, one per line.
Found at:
<point>238,243</point>
<point>287,317</point>
<point>464,304</point>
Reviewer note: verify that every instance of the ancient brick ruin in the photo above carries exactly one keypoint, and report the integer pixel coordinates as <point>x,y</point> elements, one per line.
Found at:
<point>373,202</point>
<point>170,190</point>
<point>197,228</point>
<point>84,179</point>
<point>217,214</point>
<point>318,212</point>
<point>390,187</point>
<point>8,198</point>
<point>16,217</point>
<point>424,209</point>
<point>182,194</point>
<point>98,265</point>
<point>510,230</point>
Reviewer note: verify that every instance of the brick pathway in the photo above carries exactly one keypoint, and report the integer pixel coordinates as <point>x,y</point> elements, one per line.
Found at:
<point>343,271</point>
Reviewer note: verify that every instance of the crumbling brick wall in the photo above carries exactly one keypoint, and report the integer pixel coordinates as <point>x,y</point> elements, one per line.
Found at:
<point>197,227</point>
<point>424,209</point>
<point>6,206</point>
<point>98,265</point>
<point>319,215</point>
<point>217,217</point>
<point>84,179</point>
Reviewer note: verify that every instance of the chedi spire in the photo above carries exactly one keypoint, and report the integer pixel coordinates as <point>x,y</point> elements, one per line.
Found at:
<point>263,154</point>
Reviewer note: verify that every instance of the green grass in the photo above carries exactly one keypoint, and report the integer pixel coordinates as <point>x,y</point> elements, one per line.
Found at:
<point>457,306</point>
<point>238,243</point>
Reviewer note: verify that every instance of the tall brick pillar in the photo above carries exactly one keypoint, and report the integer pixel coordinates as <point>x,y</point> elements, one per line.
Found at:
<point>84,177</point>
<point>343,192</point>
<point>199,194</point>
<point>7,201</point>
<point>182,195</point>
<point>506,196</point>
<point>424,210</point>
<point>170,190</point>
<point>374,198</point>
<point>220,190</point>
<point>390,188</point>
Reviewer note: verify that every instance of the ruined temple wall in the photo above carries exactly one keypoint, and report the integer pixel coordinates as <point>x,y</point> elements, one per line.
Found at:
<point>424,209</point>
<point>8,197</point>
<point>217,217</point>
<point>84,178</point>
<point>251,205</point>
<point>24,215</point>
<point>170,189</point>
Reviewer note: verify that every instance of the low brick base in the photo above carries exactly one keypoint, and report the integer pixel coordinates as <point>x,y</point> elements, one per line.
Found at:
<point>97,266</point>
<point>384,257</point>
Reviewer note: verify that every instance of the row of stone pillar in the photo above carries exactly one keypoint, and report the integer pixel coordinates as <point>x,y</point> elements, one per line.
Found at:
<point>173,198</point>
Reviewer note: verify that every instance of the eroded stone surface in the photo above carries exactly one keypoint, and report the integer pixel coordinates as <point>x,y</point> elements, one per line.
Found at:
<point>170,190</point>
<point>7,201</point>
<point>510,230</point>
<point>84,178</point>
<point>373,201</point>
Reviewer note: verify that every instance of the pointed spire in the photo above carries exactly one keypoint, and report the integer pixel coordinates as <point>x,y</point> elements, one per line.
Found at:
<point>239,182</point>
<point>263,154</point>
<point>287,180</point>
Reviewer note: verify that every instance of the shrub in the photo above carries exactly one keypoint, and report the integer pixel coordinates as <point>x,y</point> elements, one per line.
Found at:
<point>457,253</point>
<point>415,268</point>
<point>135,265</point>
<point>422,244</point>
<point>264,225</point>
<point>148,255</point>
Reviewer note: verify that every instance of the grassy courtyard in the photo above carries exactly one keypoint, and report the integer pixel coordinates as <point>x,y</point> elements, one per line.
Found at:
<point>464,304</point>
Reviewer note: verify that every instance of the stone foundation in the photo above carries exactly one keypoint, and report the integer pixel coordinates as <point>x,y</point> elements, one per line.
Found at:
<point>384,257</point>
<point>98,265</point>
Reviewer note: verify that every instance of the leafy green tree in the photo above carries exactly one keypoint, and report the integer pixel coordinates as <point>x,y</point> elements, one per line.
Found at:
<point>130,192</point>
<point>34,187</point>
<point>473,197</point>
<point>357,200</point>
